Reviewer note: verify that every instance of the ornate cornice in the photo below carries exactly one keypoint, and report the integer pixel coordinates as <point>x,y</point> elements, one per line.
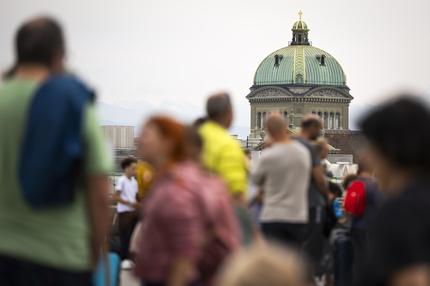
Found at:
<point>325,91</point>
<point>269,92</point>
<point>304,94</point>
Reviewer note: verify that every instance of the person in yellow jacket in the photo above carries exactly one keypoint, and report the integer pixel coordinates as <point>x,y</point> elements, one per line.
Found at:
<point>144,177</point>
<point>222,154</point>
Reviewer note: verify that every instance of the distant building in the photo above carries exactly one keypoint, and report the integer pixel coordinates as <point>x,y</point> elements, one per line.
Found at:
<point>349,144</point>
<point>296,80</point>
<point>121,140</point>
<point>300,79</point>
<point>120,137</point>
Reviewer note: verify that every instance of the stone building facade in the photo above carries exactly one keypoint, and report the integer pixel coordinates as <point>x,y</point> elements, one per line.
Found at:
<point>297,80</point>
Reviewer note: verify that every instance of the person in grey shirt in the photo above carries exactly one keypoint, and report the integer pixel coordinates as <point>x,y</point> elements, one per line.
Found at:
<point>283,172</point>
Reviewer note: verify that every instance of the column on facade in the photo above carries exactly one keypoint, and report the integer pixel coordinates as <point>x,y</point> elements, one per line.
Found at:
<point>320,114</point>
<point>331,121</point>
<point>337,122</point>
<point>325,120</point>
<point>258,120</point>
<point>345,115</point>
<point>264,120</point>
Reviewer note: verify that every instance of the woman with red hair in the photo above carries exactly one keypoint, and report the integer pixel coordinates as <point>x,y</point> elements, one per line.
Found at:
<point>182,213</point>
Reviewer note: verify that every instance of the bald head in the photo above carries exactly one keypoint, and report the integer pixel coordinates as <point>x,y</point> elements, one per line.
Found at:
<point>277,127</point>
<point>219,109</point>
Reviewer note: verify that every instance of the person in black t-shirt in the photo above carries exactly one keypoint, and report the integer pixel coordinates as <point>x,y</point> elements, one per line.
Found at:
<point>399,245</point>
<point>318,193</point>
<point>360,225</point>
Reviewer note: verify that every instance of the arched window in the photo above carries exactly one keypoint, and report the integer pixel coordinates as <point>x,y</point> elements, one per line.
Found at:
<point>299,78</point>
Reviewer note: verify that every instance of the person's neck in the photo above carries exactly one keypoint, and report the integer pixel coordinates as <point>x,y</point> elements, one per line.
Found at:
<point>304,135</point>
<point>128,176</point>
<point>282,140</point>
<point>32,72</point>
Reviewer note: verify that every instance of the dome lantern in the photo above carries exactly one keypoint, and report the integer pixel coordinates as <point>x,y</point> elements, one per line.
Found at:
<point>300,32</point>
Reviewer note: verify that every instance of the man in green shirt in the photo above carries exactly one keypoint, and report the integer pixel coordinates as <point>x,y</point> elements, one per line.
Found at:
<point>53,245</point>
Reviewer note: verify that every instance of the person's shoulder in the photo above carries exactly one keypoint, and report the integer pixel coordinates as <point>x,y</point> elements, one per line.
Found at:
<point>209,127</point>
<point>393,214</point>
<point>300,147</point>
<point>405,213</point>
<point>184,182</point>
<point>211,185</point>
<point>371,184</point>
<point>203,128</point>
<point>121,179</point>
<point>303,142</point>
<point>301,152</point>
<point>14,86</point>
<point>212,132</point>
<point>185,174</point>
<point>269,153</point>
<point>229,144</point>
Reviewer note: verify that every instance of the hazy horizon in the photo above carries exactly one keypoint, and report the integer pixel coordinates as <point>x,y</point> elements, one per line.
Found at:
<point>151,56</point>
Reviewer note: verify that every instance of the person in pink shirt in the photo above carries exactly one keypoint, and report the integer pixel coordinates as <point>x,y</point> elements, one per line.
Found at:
<point>189,226</point>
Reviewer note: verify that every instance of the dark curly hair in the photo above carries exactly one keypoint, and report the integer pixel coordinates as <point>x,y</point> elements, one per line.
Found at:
<point>398,130</point>
<point>127,162</point>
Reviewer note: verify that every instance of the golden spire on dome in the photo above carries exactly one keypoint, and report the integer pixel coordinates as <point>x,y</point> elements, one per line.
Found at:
<point>300,14</point>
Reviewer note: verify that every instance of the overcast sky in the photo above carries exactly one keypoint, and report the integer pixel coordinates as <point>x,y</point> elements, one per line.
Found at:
<point>145,55</point>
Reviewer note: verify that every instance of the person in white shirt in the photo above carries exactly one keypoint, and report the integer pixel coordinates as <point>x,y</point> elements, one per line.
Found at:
<point>127,204</point>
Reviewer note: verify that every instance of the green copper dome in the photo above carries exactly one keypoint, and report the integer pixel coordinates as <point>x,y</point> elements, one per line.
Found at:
<point>300,63</point>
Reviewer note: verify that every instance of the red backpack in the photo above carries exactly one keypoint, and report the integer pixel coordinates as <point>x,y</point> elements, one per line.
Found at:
<point>355,199</point>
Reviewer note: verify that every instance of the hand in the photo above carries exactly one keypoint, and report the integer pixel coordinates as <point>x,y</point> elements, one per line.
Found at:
<point>136,205</point>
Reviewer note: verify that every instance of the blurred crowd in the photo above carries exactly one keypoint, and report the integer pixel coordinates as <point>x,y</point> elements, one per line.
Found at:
<point>194,208</point>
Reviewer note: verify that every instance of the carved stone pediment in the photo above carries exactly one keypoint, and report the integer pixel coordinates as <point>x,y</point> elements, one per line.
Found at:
<point>299,90</point>
<point>327,93</point>
<point>269,92</point>
<point>278,93</point>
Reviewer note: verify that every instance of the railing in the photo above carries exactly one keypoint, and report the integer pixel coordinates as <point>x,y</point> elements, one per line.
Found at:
<point>284,82</point>
<point>290,42</point>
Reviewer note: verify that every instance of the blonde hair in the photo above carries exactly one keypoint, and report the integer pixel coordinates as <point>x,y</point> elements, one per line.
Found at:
<point>263,265</point>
